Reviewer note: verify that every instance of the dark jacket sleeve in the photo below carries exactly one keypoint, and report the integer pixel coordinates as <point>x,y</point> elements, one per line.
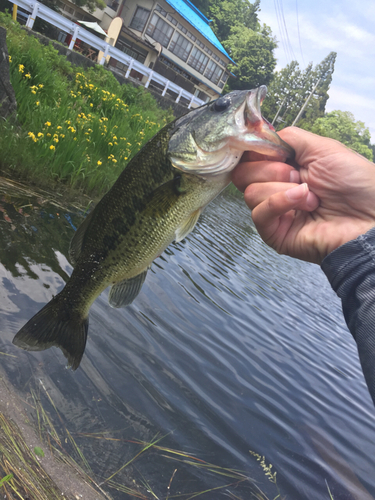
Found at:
<point>351,271</point>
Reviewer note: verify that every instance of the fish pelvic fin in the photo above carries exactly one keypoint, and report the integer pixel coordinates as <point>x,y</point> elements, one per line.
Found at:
<point>124,292</point>
<point>55,326</point>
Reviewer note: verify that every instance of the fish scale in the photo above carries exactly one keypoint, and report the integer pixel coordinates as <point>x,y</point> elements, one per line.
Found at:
<point>157,199</point>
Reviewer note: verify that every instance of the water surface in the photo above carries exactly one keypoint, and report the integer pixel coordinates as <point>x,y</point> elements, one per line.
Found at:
<point>229,349</point>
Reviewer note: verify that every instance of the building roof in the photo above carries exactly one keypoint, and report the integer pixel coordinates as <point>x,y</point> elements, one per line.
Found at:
<point>200,22</point>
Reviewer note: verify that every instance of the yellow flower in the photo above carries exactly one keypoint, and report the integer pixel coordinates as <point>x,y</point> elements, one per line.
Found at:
<point>52,147</point>
<point>114,160</point>
<point>21,68</point>
<point>114,138</point>
<point>48,135</point>
<point>58,128</point>
<point>41,85</point>
<point>110,144</point>
<point>125,157</point>
<point>33,92</point>
<point>56,139</point>
<point>37,103</point>
<point>27,75</point>
<point>10,59</point>
<point>62,136</point>
<point>99,163</point>
<point>40,134</point>
<point>91,104</point>
<point>48,124</point>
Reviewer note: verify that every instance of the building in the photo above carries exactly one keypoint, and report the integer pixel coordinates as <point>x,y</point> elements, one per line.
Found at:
<point>170,36</point>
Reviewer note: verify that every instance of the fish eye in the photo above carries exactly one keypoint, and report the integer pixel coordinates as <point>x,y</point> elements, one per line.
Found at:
<point>221,104</point>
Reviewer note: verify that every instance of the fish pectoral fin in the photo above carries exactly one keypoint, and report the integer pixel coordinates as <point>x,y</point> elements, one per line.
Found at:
<point>124,292</point>
<point>75,247</point>
<point>187,226</point>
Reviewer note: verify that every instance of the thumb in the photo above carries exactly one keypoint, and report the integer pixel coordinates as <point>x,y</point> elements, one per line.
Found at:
<point>273,217</point>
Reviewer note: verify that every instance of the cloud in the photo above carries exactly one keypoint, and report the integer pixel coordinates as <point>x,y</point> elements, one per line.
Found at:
<point>332,25</point>
<point>362,107</point>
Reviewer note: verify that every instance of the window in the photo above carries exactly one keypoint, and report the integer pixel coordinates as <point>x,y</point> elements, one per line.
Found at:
<point>160,30</point>
<point>180,46</point>
<point>213,72</point>
<point>198,60</point>
<point>224,78</point>
<point>131,49</point>
<point>140,18</point>
<point>159,9</point>
<point>171,19</point>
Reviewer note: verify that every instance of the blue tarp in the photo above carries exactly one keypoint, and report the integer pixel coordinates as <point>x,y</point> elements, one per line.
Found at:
<point>195,17</point>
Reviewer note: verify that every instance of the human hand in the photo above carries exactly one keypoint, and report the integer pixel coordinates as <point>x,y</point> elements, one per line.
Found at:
<point>309,213</point>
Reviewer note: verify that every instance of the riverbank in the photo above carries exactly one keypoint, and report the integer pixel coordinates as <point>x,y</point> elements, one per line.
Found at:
<point>28,468</point>
<point>74,127</point>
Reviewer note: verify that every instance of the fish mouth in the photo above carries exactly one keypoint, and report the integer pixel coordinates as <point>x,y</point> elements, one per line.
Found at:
<point>268,143</point>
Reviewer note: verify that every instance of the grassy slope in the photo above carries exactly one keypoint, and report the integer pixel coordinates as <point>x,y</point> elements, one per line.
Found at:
<point>78,127</point>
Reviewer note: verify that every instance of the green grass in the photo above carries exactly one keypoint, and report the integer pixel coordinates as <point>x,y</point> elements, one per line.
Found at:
<point>75,126</point>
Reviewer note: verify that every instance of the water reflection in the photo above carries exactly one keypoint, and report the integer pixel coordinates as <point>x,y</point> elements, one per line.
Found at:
<point>228,348</point>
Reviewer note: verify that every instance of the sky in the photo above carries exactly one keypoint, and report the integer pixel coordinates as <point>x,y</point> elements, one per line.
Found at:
<point>317,27</point>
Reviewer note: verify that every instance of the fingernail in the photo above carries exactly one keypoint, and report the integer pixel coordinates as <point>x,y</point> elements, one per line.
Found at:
<point>295,177</point>
<point>297,192</point>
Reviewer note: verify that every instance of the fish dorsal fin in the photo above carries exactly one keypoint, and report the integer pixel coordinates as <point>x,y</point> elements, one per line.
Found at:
<point>124,292</point>
<point>75,247</point>
<point>187,226</point>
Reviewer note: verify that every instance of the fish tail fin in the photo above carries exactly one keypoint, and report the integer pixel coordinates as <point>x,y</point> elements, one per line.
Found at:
<point>55,325</point>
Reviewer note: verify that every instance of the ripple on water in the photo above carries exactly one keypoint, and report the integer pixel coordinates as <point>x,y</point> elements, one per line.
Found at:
<point>229,347</point>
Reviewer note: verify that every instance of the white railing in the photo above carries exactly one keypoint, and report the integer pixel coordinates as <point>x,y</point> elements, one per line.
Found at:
<point>37,9</point>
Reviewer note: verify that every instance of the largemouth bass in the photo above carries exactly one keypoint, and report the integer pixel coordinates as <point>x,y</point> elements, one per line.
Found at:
<point>157,199</point>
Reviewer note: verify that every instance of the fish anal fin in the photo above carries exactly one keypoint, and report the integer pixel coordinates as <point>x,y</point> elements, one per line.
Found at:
<point>188,225</point>
<point>124,292</point>
<point>75,247</point>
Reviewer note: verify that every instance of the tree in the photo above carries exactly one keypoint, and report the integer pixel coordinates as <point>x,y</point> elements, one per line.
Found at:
<point>253,52</point>
<point>291,87</point>
<point>203,6</point>
<point>341,125</point>
<point>226,15</point>
<point>249,44</point>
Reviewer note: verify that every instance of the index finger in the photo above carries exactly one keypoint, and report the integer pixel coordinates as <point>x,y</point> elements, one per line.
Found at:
<point>309,146</point>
